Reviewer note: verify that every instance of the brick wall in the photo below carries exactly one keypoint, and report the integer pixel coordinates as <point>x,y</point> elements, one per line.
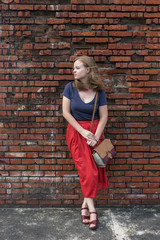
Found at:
<point>39,40</point>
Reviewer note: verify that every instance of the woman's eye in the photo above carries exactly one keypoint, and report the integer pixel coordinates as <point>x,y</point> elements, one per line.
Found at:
<point>76,68</point>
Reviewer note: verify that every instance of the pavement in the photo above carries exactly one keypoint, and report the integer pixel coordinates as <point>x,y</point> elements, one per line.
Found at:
<point>137,223</point>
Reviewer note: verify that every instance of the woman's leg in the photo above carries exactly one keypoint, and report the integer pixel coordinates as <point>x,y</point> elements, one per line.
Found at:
<point>84,204</point>
<point>85,211</point>
<point>91,207</point>
<point>88,203</point>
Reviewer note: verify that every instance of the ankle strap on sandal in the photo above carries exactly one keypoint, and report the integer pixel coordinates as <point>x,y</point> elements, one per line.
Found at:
<point>93,213</point>
<point>84,208</point>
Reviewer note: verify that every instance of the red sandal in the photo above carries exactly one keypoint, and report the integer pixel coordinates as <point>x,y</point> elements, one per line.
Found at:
<point>94,222</point>
<point>84,217</point>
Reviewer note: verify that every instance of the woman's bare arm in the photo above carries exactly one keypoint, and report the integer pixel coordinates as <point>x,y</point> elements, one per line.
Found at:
<point>103,113</point>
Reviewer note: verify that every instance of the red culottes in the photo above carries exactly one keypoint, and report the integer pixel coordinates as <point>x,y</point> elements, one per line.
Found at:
<point>91,177</point>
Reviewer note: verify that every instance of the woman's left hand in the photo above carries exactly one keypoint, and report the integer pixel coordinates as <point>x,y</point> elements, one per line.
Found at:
<point>92,143</point>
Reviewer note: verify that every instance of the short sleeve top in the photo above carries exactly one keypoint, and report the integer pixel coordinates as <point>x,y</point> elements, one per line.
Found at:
<point>80,110</point>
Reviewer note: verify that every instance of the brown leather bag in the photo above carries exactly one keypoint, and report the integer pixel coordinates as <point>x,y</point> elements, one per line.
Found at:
<point>105,151</point>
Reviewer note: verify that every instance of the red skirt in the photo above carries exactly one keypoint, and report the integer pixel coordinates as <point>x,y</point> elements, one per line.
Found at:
<point>91,177</point>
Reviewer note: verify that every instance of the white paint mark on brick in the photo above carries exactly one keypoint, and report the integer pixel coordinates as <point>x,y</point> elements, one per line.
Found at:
<point>9,189</point>
<point>52,146</point>
<point>70,178</point>
<point>31,143</point>
<point>21,155</point>
<point>7,1</point>
<point>40,89</point>
<point>21,108</point>
<point>52,7</point>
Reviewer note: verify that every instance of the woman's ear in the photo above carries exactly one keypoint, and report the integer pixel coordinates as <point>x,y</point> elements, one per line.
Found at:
<point>88,69</point>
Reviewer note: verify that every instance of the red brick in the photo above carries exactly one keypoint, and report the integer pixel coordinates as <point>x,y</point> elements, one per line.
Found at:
<point>152,58</point>
<point>101,8</point>
<point>96,21</point>
<point>120,34</point>
<point>83,2</point>
<point>136,196</point>
<point>138,148</point>
<point>138,185</point>
<point>80,33</point>
<point>133,8</point>
<point>77,21</point>
<point>96,40</point>
<point>120,59</point>
<point>117,14</point>
<point>80,15</point>
<point>136,125</point>
<point>149,190</point>
<point>139,2</point>
<point>151,71</point>
<point>152,167</point>
<point>138,136</point>
<point>139,65</point>
<point>2,191</point>
<point>57,21</point>
<point>140,90</point>
<point>119,46</point>
<point>152,2</point>
<point>20,7</point>
<point>121,2</point>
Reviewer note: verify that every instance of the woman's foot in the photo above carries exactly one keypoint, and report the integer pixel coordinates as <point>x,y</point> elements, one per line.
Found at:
<point>93,223</point>
<point>85,215</point>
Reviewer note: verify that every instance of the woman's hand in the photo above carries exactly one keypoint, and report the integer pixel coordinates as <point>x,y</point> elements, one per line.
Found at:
<point>92,143</point>
<point>87,135</point>
<point>90,137</point>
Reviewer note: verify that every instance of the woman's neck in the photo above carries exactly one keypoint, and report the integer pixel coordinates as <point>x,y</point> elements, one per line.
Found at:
<point>84,82</point>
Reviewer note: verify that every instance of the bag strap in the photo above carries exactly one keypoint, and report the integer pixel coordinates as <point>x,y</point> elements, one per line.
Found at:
<point>94,109</point>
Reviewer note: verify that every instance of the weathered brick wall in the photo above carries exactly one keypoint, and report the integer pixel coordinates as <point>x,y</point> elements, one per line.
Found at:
<point>39,40</point>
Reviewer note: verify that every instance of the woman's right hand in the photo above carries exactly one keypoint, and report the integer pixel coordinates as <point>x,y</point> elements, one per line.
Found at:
<point>87,135</point>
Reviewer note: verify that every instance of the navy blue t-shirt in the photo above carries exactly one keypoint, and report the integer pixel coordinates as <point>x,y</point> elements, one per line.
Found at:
<point>80,110</point>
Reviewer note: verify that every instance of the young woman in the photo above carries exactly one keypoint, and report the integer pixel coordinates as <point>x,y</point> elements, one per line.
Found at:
<point>77,107</point>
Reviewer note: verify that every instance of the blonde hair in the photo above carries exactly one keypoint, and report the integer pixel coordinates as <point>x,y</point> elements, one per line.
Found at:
<point>94,80</point>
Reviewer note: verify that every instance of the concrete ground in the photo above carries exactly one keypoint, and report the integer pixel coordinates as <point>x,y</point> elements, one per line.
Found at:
<point>136,223</point>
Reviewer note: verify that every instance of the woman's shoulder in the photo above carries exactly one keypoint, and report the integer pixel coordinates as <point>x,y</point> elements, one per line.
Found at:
<point>102,97</point>
<point>101,92</point>
<point>69,85</point>
<point>68,90</point>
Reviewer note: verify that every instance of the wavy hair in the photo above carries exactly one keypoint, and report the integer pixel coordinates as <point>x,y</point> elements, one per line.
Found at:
<point>94,79</point>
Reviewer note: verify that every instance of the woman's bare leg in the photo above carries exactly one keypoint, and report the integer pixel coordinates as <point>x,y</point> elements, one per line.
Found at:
<point>85,212</point>
<point>91,207</point>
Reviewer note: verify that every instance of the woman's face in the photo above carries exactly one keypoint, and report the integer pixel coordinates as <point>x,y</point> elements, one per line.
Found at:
<point>79,70</point>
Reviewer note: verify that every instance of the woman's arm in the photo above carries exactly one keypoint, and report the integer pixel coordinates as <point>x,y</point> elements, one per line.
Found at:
<point>103,114</point>
<point>68,116</point>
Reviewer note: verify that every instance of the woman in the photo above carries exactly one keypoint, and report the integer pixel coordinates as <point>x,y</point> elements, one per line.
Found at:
<point>77,106</point>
